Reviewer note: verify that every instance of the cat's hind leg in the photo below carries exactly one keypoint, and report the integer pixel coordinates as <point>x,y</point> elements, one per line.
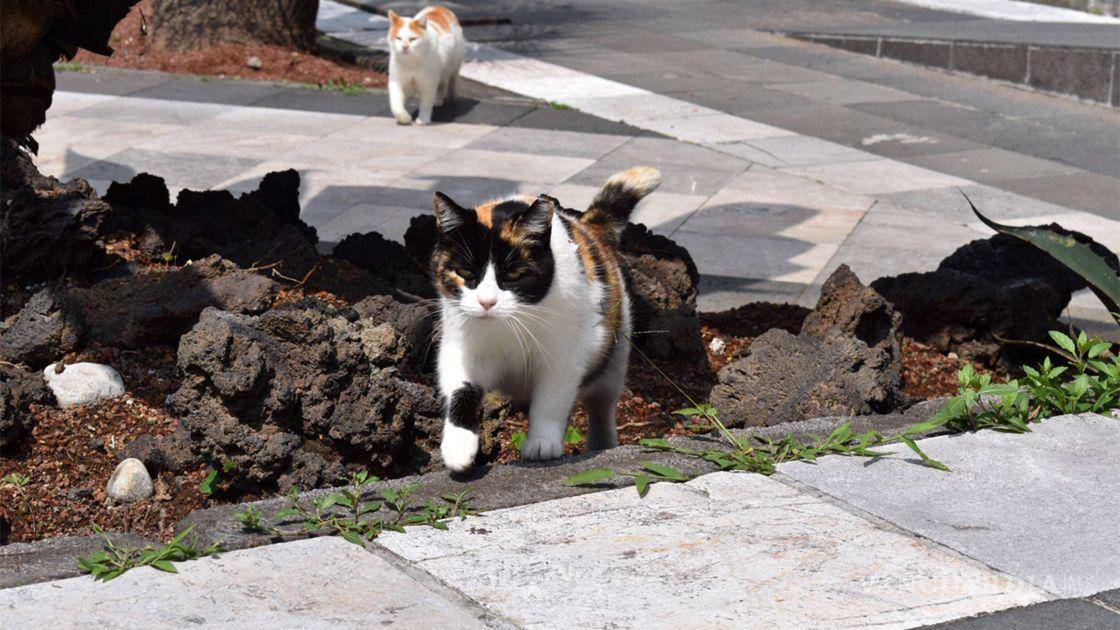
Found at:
<point>548,418</point>
<point>600,398</point>
<point>462,420</point>
<point>428,89</point>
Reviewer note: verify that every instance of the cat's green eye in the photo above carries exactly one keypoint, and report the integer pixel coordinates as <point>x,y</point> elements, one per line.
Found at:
<point>514,274</point>
<point>465,274</point>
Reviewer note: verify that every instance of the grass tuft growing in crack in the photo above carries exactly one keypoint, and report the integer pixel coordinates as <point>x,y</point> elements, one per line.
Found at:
<point>113,560</point>
<point>346,514</point>
<point>1089,383</point>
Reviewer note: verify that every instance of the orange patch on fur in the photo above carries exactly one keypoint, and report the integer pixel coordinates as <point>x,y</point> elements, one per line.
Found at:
<point>441,17</point>
<point>485,213</point>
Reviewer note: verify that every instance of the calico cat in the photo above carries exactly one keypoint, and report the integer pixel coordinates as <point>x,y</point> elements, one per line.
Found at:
<point>534,305</point>
<point>425,53</point>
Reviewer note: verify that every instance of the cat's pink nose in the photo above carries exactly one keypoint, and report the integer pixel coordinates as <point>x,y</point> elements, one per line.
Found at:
<point>487,303</point>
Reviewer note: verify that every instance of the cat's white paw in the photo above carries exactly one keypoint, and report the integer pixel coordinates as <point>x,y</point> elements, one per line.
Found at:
<point>421,121</point>
<point>536,449</point>
<point>404,120</point>
<point>458,447</point>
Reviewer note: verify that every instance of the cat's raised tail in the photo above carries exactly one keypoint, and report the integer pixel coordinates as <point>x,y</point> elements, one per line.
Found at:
<point>611,208</point>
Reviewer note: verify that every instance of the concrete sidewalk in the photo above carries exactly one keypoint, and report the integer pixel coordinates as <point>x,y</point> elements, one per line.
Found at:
<point>1023,524</point>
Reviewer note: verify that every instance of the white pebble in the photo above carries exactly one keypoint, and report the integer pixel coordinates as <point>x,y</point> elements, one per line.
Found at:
<point>83,383</point>
<point>717,346</point>
<point>130,482</point>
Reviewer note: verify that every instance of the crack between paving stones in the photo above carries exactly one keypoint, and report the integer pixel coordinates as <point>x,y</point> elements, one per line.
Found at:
<point>440,588</point>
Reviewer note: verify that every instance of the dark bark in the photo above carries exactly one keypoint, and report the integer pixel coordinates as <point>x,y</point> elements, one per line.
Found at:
<point>188,24</point>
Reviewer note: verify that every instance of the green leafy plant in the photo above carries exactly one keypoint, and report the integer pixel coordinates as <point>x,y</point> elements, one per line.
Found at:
<point>1090,382</point>
<point>206,486</point>
<point>1080,254</point>
<point>572,436</point>
<point>347,514</point>
<point>15,479</point>
<point>650,472</point>
<point>114,560</point>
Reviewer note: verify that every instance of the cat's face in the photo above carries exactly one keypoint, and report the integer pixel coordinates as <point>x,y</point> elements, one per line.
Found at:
<point>407,36</point>
<point>494,261</point>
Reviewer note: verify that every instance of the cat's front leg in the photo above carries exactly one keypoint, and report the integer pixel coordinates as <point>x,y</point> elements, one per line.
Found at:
<point>428,89</point>
<point>397,103</point>
<point>548,419</point>
<point>462,421</point>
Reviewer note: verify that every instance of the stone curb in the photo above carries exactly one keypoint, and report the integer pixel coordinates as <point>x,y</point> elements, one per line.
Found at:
<point>1088,72</point>
<point>492,488</point>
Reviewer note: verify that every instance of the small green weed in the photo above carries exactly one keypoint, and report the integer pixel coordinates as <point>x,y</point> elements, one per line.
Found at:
<point>206,486</point>
<point>15,479</point>
<point>345,513</point>
<point>343,86</point>
<point>69,66</point>
<point>559,105</point>
<point>572,436</point>
<point>113,560</point>
<point>1090,383</point>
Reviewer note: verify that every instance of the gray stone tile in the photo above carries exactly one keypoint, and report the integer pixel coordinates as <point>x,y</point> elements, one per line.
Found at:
<point>1054,484</point>
<point>549,142</point>
<point>989,165</point>
<point>685,168</point>
<point>330,101</point>
<point>572,120</point>
<point>876,177</point>
<point>756,256</point>
<point>664,81</point>
<point>197,90</point>
<point>473,112</point>
<point>390,221</point>
<point>1068,614</point>
<point>521,167</point>
<point>153,111</point>
<point>843,92</point>
<point>741,98</point>
<point>250,588</point>
<point>876,134</point>
<point>948,204</point>
<point>797,151</point>
<point>720,293</point>
<point>723,550</point>
<point>190,170</point>
<point>109,81</point>
<point>1094,193</point>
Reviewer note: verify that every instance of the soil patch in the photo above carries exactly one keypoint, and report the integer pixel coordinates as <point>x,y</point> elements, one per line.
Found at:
<point>134,50</point>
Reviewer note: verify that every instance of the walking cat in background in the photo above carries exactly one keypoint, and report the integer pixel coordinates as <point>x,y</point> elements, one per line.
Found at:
<point>535,306</point>
<point>425,53</point>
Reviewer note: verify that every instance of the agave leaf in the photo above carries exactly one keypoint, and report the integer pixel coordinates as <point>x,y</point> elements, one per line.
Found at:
<point>1086,259</point>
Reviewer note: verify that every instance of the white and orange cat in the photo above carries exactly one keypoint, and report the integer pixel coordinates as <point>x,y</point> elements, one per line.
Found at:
<point>425,53</point>
<point>535,306</point>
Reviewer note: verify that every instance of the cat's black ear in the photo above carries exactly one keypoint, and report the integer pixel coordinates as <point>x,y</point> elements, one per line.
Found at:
<point>537,219</point>
<point>449,215</point>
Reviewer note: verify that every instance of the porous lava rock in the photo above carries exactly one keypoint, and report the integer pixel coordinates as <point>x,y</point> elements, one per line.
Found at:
<point>990,289</point>
<point>297,395</point>
<point>847,307</point>
<point>19,389</point>
<point>845,361</point>
<point>389,260</point>
<point>157,306</point>
<point>173,452</point>
<point>43,331</point>
<point>663,283</point>
<point>47,229</point>
<point>786,378</point>
<point>256,229</point>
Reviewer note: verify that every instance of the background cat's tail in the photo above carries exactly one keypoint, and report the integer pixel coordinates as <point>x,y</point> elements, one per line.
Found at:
<point>611,208</point>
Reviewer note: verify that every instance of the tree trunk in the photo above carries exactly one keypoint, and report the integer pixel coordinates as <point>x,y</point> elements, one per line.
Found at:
<point>189,24</point>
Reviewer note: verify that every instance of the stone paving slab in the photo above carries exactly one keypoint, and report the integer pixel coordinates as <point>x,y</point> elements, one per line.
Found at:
<point>317,583</point>
<point>1040,506</point>
<point>724,550</point>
